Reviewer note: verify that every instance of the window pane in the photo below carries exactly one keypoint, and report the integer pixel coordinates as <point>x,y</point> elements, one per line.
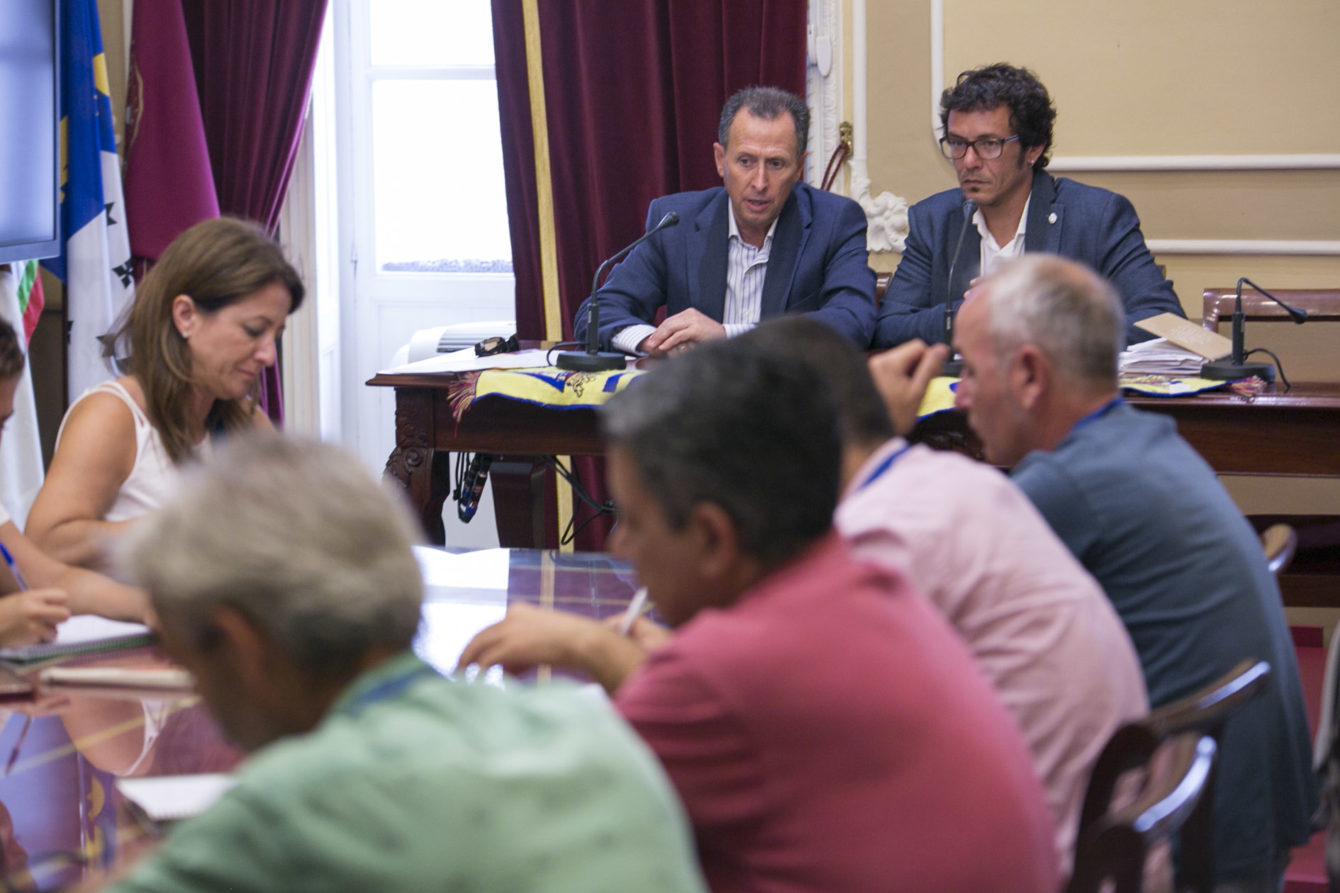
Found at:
<point>431,32</point>
<point>438,177</point>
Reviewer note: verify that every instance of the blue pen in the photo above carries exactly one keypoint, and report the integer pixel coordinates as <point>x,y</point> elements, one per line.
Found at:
<point>14,568</point>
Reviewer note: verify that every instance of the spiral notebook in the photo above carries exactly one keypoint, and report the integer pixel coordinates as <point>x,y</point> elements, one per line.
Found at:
<point>82,634</point>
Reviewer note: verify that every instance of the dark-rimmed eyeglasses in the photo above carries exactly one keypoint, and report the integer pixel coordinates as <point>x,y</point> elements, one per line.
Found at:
<point>987,147</point>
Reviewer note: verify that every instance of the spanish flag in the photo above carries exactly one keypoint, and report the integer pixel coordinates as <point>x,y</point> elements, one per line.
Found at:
<point>21,448</point>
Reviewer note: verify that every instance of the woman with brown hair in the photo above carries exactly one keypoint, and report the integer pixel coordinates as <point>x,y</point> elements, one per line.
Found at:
<point>204,325</point>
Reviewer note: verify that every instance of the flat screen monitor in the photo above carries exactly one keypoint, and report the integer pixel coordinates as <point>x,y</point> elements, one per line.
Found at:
<point>30,122</point>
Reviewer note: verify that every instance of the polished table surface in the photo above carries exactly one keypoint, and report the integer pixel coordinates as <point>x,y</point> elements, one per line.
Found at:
<point>468,591</point>
<point>1279,431</point>
<point>60,812</point>
<point>63,749</point>
<point>1276,432</point>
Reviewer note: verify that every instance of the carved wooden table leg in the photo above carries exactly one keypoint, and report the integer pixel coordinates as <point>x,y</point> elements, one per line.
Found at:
<point>420,469</point>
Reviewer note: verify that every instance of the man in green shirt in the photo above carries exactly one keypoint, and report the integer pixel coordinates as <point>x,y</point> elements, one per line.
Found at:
<point>284,580</point>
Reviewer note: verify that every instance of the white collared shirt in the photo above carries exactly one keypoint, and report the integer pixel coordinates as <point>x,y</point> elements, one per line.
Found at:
<point>992,253</point>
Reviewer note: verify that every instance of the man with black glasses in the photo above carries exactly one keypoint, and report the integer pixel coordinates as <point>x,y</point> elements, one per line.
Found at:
<point>997,123</point>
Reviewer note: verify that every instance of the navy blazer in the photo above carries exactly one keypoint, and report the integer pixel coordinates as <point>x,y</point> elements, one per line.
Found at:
<point>1084,223</point>
<point>818,265</point>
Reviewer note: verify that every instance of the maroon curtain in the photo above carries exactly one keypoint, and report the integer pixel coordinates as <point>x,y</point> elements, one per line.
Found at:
<point>518,150</point>
<point>633,93</point>
<point>169,184</point>
<point>253,63</point>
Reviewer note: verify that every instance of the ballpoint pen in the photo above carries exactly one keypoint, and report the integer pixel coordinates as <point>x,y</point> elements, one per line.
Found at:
<point>14,568</point>
<point>634,609</point>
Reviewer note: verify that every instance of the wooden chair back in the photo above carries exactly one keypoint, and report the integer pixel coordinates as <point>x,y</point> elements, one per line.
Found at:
<point>1112,855</point>
<point>1280,542</point>
<point>1320,304</point>
<point>882,281</point>
<point>1134,744</point>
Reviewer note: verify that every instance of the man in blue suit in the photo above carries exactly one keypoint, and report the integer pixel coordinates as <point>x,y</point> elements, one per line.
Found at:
<point>997,124</point>
<point>760,245</point>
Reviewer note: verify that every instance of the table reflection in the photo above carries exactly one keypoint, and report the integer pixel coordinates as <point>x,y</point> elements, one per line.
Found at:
<point>62,750</point>
<point>465,592</point>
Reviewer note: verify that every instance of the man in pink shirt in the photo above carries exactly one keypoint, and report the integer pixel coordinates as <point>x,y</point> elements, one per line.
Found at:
<point>825,728</point>
<point>1037,623</point>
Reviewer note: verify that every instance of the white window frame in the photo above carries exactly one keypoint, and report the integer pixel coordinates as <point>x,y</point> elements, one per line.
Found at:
<point>383,309</point>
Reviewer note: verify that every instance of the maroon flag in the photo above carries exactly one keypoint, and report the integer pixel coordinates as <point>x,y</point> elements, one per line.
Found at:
<point>169,184</point>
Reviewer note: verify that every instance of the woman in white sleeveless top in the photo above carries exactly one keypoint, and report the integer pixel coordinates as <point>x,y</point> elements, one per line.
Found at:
<point>204,325</point>
<point>40,592</point>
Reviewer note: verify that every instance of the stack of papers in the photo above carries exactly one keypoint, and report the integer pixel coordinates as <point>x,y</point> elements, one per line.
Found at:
<point>467,361</point>
<point>169,678</point>
<point>1159,357</point>
<point>168,798</point>
<point>83,634</point>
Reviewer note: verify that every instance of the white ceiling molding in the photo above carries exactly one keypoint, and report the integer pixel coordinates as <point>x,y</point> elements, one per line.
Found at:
<point>1195,163</point>
<point>823,75</point>
<point>937,64</point>
<point>1267,247</point>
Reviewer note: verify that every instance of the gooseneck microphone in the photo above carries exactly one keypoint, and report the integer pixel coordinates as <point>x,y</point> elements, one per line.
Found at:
<point>954,367</point>
<point>593,359</point>
<point>1236,366</point>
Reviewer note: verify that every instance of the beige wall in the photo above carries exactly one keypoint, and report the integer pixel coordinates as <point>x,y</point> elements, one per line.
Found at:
<point>1152,77</point>
<point>903,157</point>
<point>1143,77</point>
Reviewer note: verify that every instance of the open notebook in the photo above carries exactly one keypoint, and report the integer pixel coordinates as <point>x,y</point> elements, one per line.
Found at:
<point>83,634</point>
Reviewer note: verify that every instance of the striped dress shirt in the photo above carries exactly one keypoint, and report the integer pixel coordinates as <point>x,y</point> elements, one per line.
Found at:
<point>746,268</point>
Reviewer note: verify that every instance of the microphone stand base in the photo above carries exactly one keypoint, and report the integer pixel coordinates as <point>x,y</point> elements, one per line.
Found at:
<point>1227,370</point>
<point>953,368</point>
<point>582,361</point>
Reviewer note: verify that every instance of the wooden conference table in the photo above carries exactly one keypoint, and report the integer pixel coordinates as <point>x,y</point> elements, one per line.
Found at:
<point>61,814</point>
<point>1278,432</point>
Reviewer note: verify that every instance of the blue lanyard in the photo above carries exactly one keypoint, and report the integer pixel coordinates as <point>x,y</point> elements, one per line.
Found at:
<point>884,466</point>
<point>1098,413</point>
<point>388,689</point>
